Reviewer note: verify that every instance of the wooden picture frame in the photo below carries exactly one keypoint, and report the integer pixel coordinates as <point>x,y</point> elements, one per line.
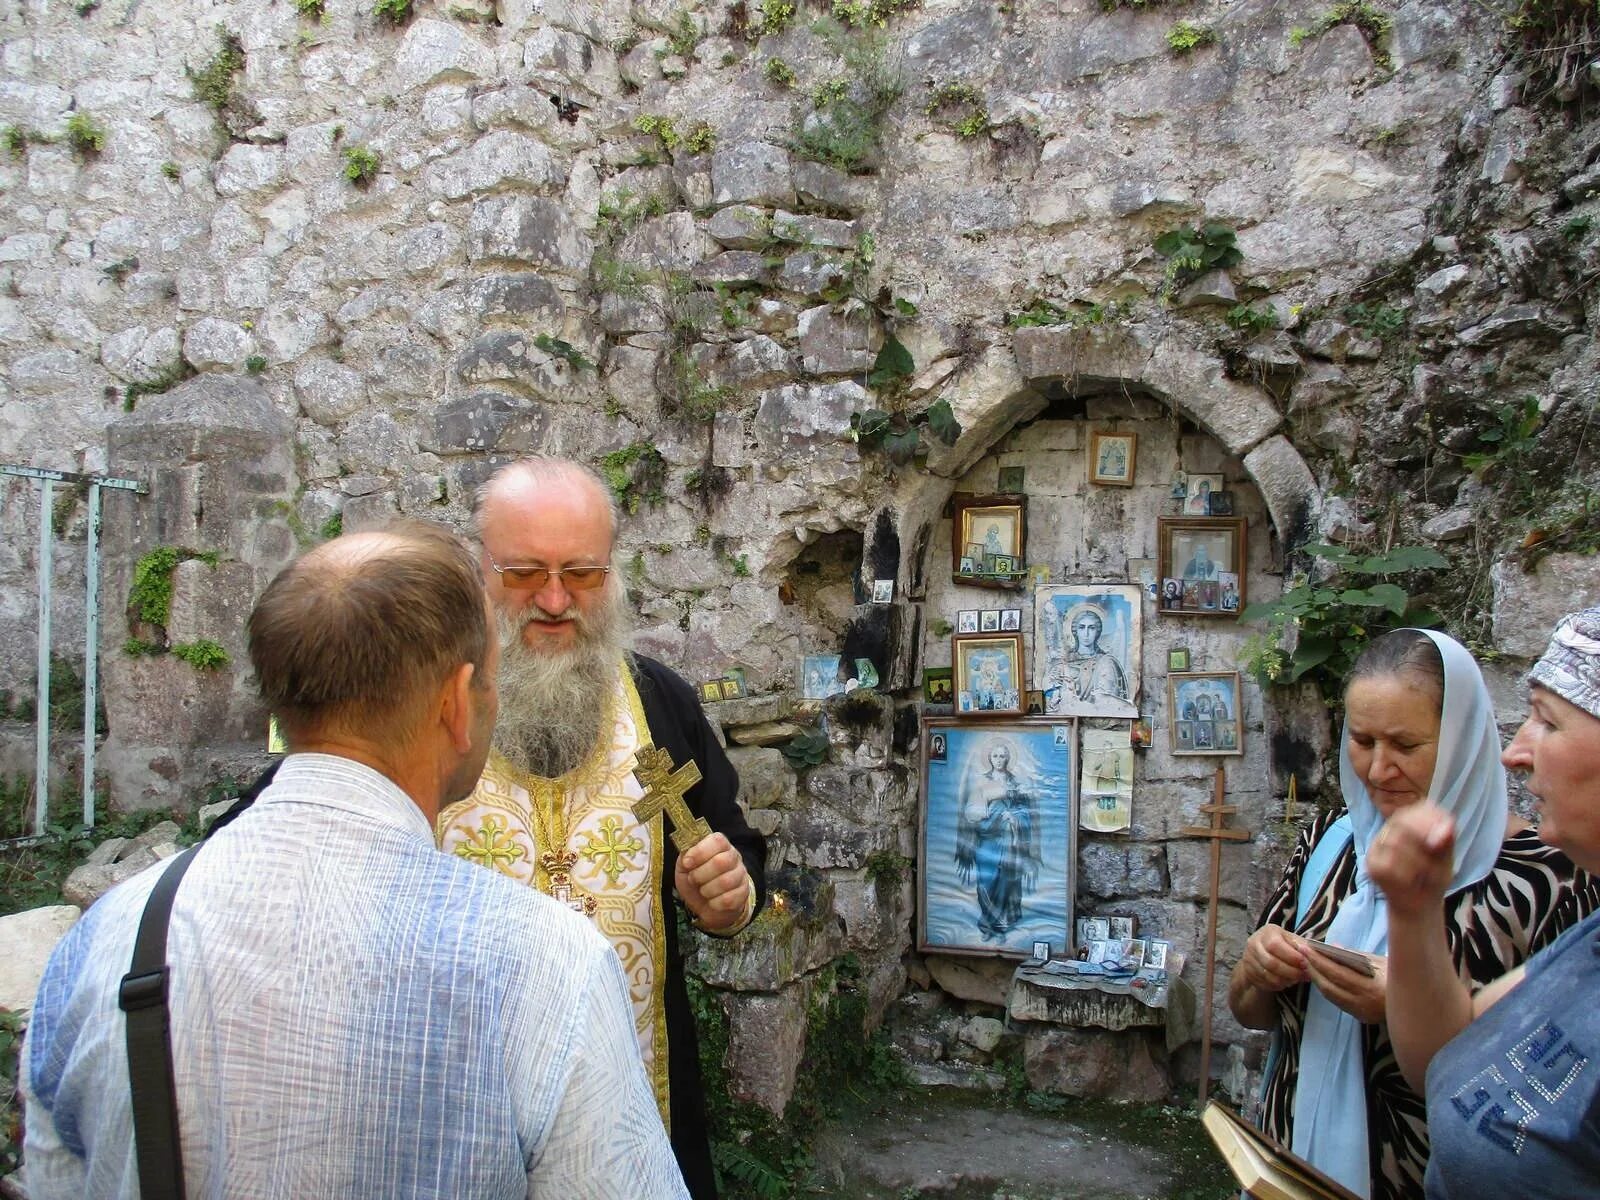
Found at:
<point>1203,712</point>
<point>1111,458</point>
<point>1206,556</point>
<point>989,673</point>
<point>997,837</point>
<point>996,523</point>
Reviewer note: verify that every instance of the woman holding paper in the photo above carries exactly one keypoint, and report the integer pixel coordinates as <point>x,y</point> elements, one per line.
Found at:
<point>1419,727</point>
<point>1514,1102</point>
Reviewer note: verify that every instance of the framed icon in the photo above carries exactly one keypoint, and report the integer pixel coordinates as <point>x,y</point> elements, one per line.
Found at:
<point>989,620</point>
<point>1178,658</point>
<point>1203,712</point>
<point>1197,494</point>
<point>1086,648</point>
<point>997,839</point>
<point>989,675</point>
<point>1111,458</point>
<point>967,621</point>
<point>1010,618</point>
<point>1202,554</point>
<point>938,685</point>
<point>882,591</point>
<point>1011,478</point>
<point>998,524</point>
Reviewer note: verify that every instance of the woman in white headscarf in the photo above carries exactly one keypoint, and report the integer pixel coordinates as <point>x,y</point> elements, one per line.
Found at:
<point>1419,728</point>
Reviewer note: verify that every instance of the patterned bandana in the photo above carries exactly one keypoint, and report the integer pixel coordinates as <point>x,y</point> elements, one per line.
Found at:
<point>1571,666</point>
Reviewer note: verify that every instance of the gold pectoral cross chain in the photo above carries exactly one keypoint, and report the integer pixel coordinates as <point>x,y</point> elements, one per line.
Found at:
<point>664,791</point>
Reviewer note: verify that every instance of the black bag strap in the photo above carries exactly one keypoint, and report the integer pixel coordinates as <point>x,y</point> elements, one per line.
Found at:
<point>143,998</point>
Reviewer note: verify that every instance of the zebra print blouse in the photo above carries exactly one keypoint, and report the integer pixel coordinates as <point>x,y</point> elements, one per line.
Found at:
<point>1533,893</point>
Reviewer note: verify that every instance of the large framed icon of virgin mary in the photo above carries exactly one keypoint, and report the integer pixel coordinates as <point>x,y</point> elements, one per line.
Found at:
<point>1086,649</point>
<point>997,836</point>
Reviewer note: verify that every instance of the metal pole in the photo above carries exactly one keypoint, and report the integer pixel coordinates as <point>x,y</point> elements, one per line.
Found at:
<point>41,765</point>
<point>91,656</point>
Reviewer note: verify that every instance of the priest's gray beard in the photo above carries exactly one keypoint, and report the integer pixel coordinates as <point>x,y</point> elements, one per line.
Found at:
<point>554,703</point>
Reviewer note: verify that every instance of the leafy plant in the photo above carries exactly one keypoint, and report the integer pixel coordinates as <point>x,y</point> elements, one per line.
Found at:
<point>213,83</point>
<point>85,135</point>
<point>876,13</point>
<point>886,869</point>
<point>172,170</point>
<point>255,364</point>
<point>663,127</point>
<point>165,382</point>
<point>565,351</point>
<point>150,594</point>
<point>1330,622</point>
<point>1079,316</point>
<point>778,73</point>
<point>684,36</point>
<point>1381,321</point>
<point>1574,230</point>
<point>1191,252</point>
<point>396,12</point>
<point>845,126</point>
<point>202,655</point>
<point>314,10</point>
<point>1509,441</point>
<point>960,108</point>
<point>701,138</point>
<point>332,527</point>
<point>17,139</point>
<point>361,164</point>
<point>1251,320</point>
<point>1186,36</point>
<point>776,16</point>
<point>808,748</point>
<point>635,475</point>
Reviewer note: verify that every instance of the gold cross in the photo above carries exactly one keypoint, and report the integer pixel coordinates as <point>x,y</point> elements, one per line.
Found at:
<point>611,848</point>
<point>485,847</point>
<point>559,868</point>
<point>664,789</point>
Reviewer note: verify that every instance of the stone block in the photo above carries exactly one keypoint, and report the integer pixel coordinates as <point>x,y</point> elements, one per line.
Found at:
<point>1107,868</point>
<point>530,229</point>
<point>29,937</point>
<point>211,343</point>
<point>756,362</point>
<point>732,267</point>
<point>1515,322</point>
<point>493,161</point>
<point>1189,869</point>
<point>823,840</point>
<point>752,173</point>
<point>525,296</point>
<point>816,231</point>
<point>247,168</point>
<point>830,188</point>
<point>1096,1064</point>
<point>513,358</point>
<point>984,980</point>
<point>741,227</point>
<point>810,274</point>
<point>211,602</point>
<point>672,242</point>
<point>765,777</point>
<point>1528,605</point>
<point>789,938</point>
<point>481,420</point>
<point>642,313</point>
<point>764,733</point>
<point>834,343</point>
<point>1287,486</point>
<point>1081,1008</point>
<point>441,52</point>
<point>803,414</point>
<point>766,1041</point>
<point>328,391</point>
<point>873,909</point>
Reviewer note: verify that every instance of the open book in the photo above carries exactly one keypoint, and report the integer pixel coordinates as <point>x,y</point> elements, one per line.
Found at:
<point>1265,1169</point>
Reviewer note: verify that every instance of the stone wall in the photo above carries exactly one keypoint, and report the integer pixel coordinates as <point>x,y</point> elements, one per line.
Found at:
<point>534,259</point>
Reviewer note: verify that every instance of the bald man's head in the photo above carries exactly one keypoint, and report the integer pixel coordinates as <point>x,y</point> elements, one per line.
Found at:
<point>357,635</point>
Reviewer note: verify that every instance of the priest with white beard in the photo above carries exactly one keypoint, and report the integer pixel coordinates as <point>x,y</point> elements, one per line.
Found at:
<point>581,720</point>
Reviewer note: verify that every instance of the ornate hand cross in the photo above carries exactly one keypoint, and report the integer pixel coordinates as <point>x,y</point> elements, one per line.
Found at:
<point>664,789</point>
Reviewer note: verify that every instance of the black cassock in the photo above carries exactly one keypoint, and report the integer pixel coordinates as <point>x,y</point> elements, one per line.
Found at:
<point>678,726</point>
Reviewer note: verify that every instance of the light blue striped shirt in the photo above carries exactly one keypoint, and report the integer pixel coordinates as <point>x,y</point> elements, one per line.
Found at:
<point>355,1014</point>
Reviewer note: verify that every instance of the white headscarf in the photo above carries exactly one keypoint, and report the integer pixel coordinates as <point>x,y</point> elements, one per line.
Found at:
<point>1330,1100</point>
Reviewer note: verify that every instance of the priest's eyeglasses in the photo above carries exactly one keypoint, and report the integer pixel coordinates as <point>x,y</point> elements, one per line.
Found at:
<point>531,579</point>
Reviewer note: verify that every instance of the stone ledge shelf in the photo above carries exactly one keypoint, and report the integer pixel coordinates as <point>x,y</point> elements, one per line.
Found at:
<point>1084,1004</point>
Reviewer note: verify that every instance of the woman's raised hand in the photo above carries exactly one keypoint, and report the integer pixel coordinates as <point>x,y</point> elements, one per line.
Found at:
<point>1410,859</point>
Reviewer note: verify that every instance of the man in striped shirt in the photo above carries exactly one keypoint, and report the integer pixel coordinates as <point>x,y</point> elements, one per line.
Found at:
<point>354,1013</point>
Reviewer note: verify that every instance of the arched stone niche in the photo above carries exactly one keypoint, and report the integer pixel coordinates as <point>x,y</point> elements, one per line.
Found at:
<point>1189,417</point>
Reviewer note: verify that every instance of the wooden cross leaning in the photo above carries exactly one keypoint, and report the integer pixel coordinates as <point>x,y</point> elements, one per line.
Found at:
<point>664,790</point>
<point>1217,833</point>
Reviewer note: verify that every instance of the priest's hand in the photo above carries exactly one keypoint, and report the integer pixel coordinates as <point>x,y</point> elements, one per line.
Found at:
<point>711,879</point>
